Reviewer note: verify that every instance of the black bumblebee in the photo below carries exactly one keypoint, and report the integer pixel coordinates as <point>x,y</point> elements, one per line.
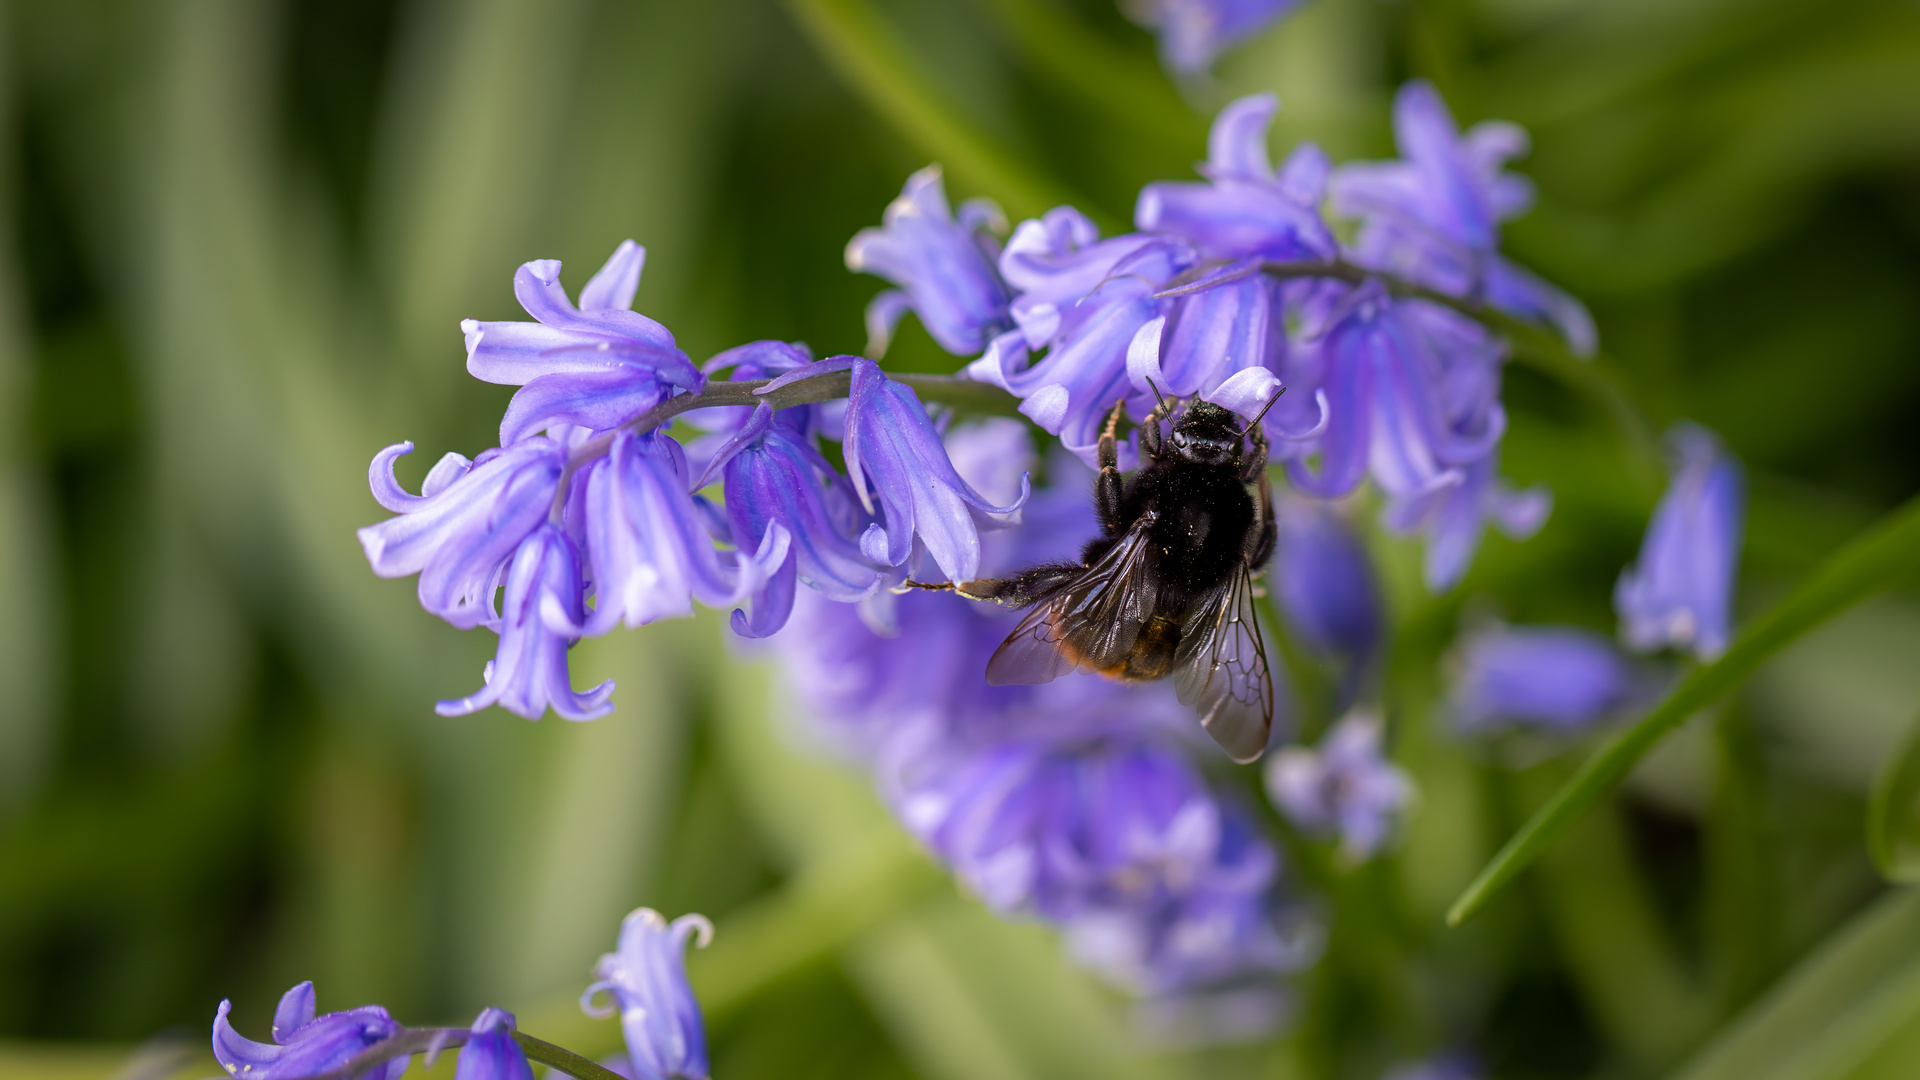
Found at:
<point>1167,589</point>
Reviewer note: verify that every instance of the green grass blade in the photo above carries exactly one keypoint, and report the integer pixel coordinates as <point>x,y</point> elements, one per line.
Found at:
<point>879,65</point>
<point>1886,556</point>
<point>1893,813</point>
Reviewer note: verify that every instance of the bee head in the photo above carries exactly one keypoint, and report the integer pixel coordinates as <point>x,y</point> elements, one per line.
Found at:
<point>1207,435</point>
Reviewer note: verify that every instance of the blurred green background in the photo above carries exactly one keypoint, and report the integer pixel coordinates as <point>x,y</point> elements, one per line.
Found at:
<point>242,235</point>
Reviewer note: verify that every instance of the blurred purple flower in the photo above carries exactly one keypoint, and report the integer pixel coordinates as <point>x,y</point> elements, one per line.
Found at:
<point>1246,210</point>
<point>650,550</point>
<point>537,624</point>
<point>1345,787</point>
<point>594,366</point>
<point>1680,592</point>
<point>945,267</point>
<point>1433,216</point>
<point>647,979</point>
<point>1554,678</point>
<point>467,522</point>
<point>302,1045</point>
<point>1324,581</point>
<point>491,1052</point>
<point>1194,32</point>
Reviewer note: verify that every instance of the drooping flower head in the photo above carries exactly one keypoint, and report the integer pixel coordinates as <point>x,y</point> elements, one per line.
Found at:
<point>491,1052</point>
<point>1344,788</point>
<point>304,1045</point>
<point>1552,678</point>
<point>1194,32</point>
<point>945,267</point>
<point>1680,592</point>
<point>646,977</point>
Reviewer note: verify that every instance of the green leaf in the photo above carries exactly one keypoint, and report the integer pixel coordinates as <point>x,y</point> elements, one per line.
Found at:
<point>1887,556</point>
<point>879,65</point>
<point>1893,812</point>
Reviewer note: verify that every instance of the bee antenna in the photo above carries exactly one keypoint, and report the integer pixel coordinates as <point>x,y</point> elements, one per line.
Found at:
<point>1251,424</point>
<point>1157,395</point>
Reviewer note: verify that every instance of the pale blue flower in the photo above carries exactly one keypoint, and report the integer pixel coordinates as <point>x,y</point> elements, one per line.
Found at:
<point>1344,788</point>
<point>491,1052</point>
<point>646,978</point>
<point>1680,592</point>
<point>945,267</point>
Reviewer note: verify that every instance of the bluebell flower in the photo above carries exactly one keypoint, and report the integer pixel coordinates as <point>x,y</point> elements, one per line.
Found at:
<point>1552,678</point>
<point>945,267</point>
<point>595,366</point>
<point>649,547</point>
<point>1680,592</point>
<point>1246,210</point>
<point>302,1045</point>
<point>541,609</point>
<point>1324,582</point>
<point>895,457</point>
<point>646,978</point>
<point>1194,32</point>
<point>1344,788</point>
<point>1434,216</point>
<point>491,1052</point>
<point>773,475</point>
<point>467,522</point>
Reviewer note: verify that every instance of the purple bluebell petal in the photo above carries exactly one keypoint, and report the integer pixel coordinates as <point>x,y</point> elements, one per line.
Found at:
<point>595,400</point>
<point>1237,142</point>
<point>1552,678</point>
<point>1343,788</point>
<point>304,1045</point>
<point>1246,392</point>
<point>884,313</point>
<point>892,445</point>
<point>449,468</point>
<point>1304,175</point>
<point>1680,592</point>
<point>529,673</point>
<point>616,282</point>
<point>386,488</point>
<point>1453,518</point>
<point>946,267</point>
<point>459,539</point>
<point>648,543</point>
<point>1324,581</point>
<point>1514,289</point>
<point>760,359</point>
<point>491,1052</point>
<point>1194,32</point>
<point>1212,335</point>
<point>646,978</point>
<point>1244,212</point>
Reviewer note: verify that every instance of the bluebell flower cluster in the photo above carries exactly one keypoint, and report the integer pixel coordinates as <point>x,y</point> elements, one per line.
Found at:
<point>1236,286</point>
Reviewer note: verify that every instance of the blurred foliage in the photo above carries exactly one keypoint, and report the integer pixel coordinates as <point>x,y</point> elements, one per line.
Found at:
<point>242,235</point>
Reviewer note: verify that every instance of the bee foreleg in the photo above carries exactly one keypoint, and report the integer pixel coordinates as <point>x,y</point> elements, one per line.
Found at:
<point>1254,466</point>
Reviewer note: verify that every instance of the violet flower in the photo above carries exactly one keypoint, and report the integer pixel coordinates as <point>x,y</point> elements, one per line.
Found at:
<point>1194,32</point>
<point>646,978</point>
<point>1344,788</point>
<point>467,522</point>
<point>1433,217</point>
<point>650,551</point>
<point>1324,582</point>
<point>594,366</point>
<point>302,1045</point>
<point>1680,592</point>
<point>945,267</point>
<point>542,606</point>
<point>491,1052</point>
<point>1553,678</point>
<point>895,457</point>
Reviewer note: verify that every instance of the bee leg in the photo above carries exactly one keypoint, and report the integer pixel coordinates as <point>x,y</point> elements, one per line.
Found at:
<point>1254,465</point>
<point>1152,440</point>
<point>976,589</point>
<point>1107,486</point>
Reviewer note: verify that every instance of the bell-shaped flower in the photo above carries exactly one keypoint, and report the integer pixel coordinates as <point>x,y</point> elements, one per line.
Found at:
<point>491,1052</point>
<point>648,543</point>
<point>1387,405</point>
<point>773,475</point>
<point>594,366</point>
<point>468,520</point>
<point>1324,581</point>
<point>945,268</point>
<point>1343,788</point>
<point>1193,32</point>
<point>1551,678</point>
<point>895,457</point>
<point>542,607</point>
<point>1434,215</point>
<point>1680,592</point>
<point>646,978</point>
<point>1247,211</point>
<point>304,1045</point>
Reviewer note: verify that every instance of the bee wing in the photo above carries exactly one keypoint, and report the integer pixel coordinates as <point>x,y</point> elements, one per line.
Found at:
<point>1221,670</point>
<point>1089,622</point>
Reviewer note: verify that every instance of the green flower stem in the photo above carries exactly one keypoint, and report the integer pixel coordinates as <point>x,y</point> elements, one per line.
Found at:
<point>563,1059</point>
<point>1887,556</point>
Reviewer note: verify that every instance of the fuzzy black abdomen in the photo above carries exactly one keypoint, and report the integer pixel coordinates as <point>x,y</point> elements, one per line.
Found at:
<point>1202,517</point>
